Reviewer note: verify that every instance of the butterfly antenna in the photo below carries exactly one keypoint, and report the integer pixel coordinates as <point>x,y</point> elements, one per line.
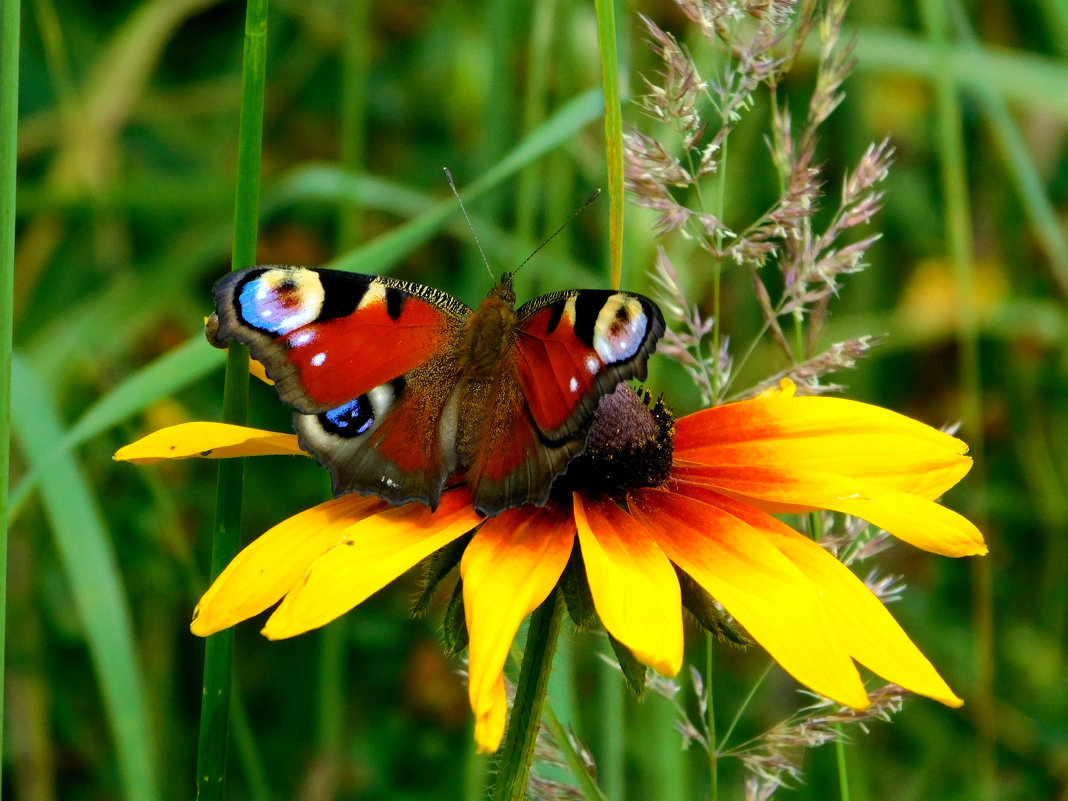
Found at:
<point>552,236</point>
<point>452,186</point>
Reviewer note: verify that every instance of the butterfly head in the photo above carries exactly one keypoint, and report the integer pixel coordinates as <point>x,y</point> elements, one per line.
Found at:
<point>503,290</point>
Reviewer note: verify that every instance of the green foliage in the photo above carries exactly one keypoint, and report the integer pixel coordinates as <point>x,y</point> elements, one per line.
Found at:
<point>127,151</point>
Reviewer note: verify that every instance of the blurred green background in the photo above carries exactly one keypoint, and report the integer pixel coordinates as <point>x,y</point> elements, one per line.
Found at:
<point>127,152</point>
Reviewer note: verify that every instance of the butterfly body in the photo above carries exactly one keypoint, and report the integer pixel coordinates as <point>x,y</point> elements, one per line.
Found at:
<point>398,386</point>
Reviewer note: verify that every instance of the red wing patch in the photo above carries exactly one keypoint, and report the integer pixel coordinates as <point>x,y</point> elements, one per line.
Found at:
<point>513,465</point>
<point>343,358</point>
<point>326,337</point>
<point>556,370</point>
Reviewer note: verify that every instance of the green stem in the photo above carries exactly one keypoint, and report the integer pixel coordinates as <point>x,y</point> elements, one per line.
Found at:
<point>219,649</point>
<point>9,110</point>
<point>356,65</point>
<point>843,773</point>
<point>525,717</point>
<point>613,131</point>
<point>959,236</point>
<point>713,749</point>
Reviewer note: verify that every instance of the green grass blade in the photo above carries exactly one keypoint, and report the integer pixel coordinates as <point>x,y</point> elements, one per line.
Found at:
<point>613,131</point>
<point>9,112</point>
<point>95,584</point>
<point>959,225</point>
<point>170,373</point>
<point>326,182</point>
<point>1023,172</point>
<point>219,648</point>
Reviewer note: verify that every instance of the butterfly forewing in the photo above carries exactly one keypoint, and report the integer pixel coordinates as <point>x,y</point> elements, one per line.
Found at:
<point>327,337</point>
<point>574,347</point>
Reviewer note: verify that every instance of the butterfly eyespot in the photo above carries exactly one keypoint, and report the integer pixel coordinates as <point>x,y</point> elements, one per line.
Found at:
<point>280,301</point>
<point>350,419</point>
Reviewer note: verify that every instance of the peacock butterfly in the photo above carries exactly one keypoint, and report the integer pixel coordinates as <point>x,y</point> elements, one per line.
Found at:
<point>398,386</point>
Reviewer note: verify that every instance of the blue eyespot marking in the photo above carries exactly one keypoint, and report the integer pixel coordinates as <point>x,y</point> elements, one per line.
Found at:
<point>351,419</point>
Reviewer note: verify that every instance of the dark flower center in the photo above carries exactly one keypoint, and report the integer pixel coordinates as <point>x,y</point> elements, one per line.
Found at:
<point>629,446</point>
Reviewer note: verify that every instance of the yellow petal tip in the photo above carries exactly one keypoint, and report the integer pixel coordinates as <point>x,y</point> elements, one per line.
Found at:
<point>203,625</point>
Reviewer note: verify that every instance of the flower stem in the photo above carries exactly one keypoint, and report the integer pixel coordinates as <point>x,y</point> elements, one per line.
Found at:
<point>9,81</point>
<point>525,718</point>
<point>219,648</point>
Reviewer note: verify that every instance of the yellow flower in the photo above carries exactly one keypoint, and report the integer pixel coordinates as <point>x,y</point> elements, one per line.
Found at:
<point>733,466</point>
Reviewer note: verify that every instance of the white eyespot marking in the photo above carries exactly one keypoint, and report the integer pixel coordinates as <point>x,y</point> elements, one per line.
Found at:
<point>390,483</point>
<point>375,294</point>
<point>281,300</point>
<point>573,384</point>
<point>593,364</point>
<point>318,359</point>
<point>620,329</point>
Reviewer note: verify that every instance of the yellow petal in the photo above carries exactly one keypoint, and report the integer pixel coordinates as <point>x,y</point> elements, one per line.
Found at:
<point>868,630</point>
<point>209,440</point>
<point>759,586</point>
<point>829,434</point>
<point>257,369</point>
<point>914,519</point>
<point>508,569</point>
<point>634,586</point>
<point>369,554</point>
<point>270,565</point>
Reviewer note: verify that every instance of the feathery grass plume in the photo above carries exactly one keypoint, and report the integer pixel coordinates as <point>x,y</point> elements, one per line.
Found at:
<point>672,168</point>
<point>773,759</point>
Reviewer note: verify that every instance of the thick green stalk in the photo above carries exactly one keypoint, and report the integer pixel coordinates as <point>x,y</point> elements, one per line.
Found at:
<point>613,131</point>
<point>525,717</point>
<point>9,111</point>
<point>219,649</point>
<point>959,234</point>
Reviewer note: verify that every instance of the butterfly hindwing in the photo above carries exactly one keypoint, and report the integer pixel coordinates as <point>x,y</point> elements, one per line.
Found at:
<point>387,441</point>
